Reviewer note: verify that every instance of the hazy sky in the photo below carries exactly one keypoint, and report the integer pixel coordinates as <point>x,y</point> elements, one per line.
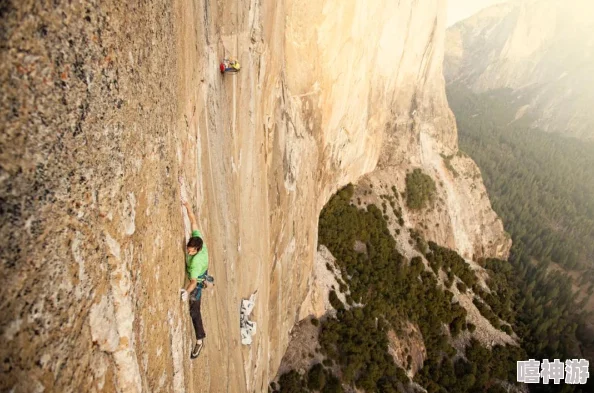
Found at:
<point>462,9</point>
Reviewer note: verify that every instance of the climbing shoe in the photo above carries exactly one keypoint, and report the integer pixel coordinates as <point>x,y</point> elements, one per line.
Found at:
<point>197,349</point>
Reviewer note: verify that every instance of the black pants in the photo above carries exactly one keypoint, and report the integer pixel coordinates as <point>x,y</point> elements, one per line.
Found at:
<point>197,318</point>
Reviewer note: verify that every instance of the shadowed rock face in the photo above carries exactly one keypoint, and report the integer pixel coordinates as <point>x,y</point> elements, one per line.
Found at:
<point>105,105</point>
<point>87,112</point>
<point>542,50</point>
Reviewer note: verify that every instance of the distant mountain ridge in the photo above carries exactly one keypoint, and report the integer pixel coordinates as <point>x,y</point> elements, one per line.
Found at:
<point>541,49</point>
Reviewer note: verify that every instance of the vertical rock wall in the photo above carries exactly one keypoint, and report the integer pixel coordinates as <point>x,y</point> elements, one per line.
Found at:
<point>106,104</point>
<point>90,219</point>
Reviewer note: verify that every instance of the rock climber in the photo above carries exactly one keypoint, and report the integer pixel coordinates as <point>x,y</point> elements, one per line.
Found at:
<point>196,269</point>
<point>230,66</point>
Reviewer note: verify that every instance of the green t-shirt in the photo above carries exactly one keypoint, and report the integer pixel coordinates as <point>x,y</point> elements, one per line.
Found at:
<point>197,265</point>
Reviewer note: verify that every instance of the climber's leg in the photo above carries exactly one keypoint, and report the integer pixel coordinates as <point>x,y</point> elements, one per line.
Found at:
<point>196,316</point>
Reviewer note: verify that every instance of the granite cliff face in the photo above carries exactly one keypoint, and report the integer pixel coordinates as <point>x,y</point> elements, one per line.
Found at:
<point>106,105</point>
<point>540,49</point>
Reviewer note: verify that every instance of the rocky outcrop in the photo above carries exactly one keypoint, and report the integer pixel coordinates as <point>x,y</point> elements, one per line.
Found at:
<point>460,217</point>
<point>322,280</point>
<point>105,105</point>
<point>407,348</point>
<point>540,49</point>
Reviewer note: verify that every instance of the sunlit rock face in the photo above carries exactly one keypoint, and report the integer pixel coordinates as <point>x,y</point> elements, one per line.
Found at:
<point>106,105</point>
<point>540,49</point>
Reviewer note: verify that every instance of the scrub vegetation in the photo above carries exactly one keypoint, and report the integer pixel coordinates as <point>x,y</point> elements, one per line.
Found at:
<point>420,190</point>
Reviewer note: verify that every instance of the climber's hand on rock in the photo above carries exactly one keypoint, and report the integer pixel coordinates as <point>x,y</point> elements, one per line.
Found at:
<point>183,295</point>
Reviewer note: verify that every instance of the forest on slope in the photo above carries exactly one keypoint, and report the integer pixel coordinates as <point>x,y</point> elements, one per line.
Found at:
<point>541,184</point>
<point>387,291</point>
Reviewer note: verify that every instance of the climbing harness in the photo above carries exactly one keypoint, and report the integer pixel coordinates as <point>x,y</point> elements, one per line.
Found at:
<point>197,292</point>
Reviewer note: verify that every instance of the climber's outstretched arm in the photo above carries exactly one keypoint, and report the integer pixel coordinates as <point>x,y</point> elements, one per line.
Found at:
<point>193,222</point>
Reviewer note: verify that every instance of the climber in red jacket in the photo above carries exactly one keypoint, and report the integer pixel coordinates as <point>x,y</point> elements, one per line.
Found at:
<point>230,66</point>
